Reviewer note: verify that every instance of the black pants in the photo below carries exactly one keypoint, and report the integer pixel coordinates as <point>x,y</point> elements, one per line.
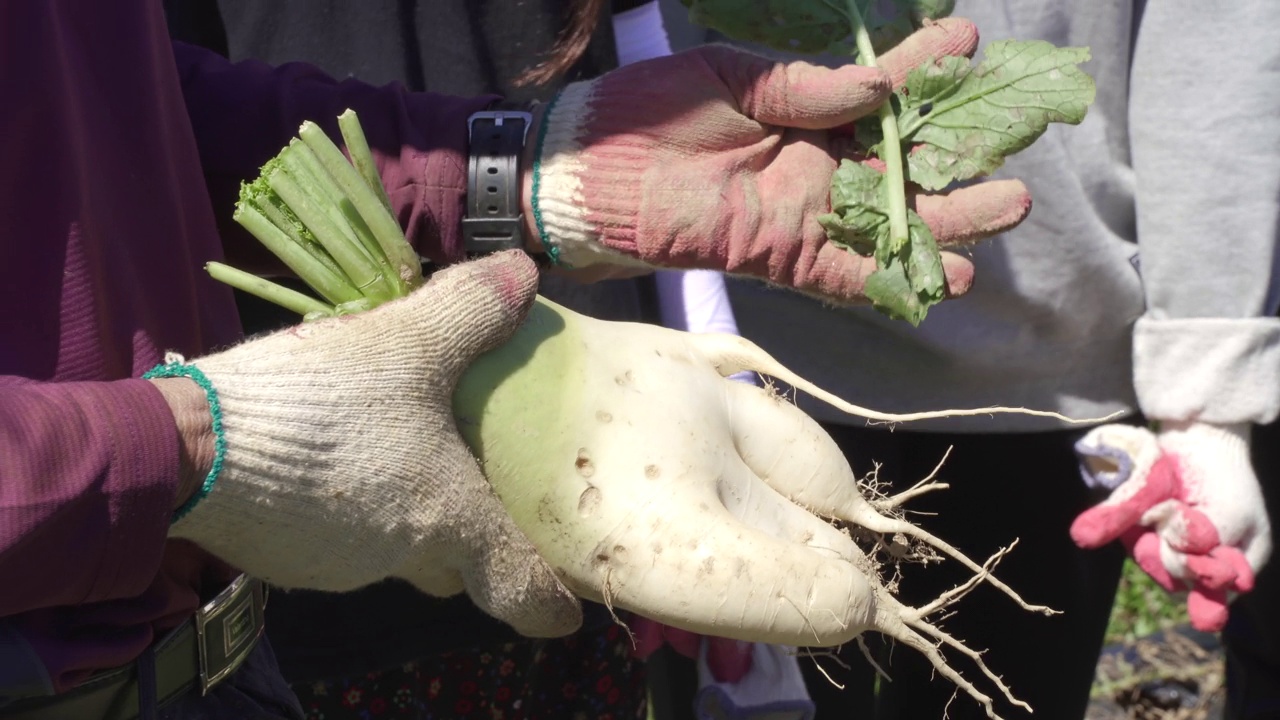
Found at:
<point>1252,636</point>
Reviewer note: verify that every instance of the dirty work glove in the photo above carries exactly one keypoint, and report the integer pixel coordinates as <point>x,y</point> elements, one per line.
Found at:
<point>718,159</point>
<point>1186,503</point>
<point>343,463</point>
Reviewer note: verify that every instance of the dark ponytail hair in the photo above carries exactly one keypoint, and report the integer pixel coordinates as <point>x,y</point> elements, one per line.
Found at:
<point>584,18</point>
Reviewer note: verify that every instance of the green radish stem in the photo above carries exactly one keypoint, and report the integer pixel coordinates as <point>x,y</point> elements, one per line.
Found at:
<point>267,290</point>
<point>283,218</point>
<point>358,149</point>
<point>320,181</point>
<point>891,147</point>
<point>345,250</point>
<point>335,287</point>
<point>367,204</point>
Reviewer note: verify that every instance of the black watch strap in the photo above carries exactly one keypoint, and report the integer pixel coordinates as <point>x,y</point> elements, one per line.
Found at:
<point>494,222</point>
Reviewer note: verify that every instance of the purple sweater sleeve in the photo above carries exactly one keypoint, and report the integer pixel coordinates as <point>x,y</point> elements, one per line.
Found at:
<point>88,479</point>
<point>244,113</point>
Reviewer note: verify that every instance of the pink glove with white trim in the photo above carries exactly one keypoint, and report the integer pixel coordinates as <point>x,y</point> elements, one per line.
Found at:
<point>722,160</point>
<point>1187,505</point>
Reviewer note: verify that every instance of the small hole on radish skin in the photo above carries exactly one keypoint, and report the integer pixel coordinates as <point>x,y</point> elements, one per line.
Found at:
<point>652,471</point>
<point>583,463</point>
<point>604,417</point>
<point>624,379</point>
<point>589,501</point>
<point>620,552</point>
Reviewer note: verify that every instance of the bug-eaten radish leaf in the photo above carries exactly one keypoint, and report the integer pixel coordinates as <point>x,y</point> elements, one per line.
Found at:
<point>961,121</point>
<point>909,277</point>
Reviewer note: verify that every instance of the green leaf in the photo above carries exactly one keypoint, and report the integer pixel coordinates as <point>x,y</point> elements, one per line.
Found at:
<point>964,120</point>
<point>858,220</point>
<point>909,278</point>
<point>814,26</point>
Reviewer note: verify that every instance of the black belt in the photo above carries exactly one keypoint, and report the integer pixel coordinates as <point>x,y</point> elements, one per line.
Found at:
<point>200,653</point>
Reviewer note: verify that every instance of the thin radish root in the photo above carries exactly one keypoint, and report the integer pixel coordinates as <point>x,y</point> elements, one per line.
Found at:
<point>866,653</point>
<point>908,626</point>
<point>607,596</point>
<point>731,355</point>
<point>927,485</point>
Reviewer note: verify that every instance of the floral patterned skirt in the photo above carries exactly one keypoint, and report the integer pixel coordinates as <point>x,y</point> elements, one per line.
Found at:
<point>588,676</point>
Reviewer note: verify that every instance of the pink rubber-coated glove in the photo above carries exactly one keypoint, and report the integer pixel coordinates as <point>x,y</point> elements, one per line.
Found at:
<point>728,660</point>
<point>722,160</point>
<point>1187,505</point>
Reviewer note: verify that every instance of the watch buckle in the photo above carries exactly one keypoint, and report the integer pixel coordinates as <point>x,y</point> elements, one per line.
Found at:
<point>498,117</point>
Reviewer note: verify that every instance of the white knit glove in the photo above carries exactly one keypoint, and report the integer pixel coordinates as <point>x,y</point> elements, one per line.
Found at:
<point>1186,503</point>
<point>344,466</point>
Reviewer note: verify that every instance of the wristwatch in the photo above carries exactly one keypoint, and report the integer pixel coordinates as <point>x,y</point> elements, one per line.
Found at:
<point>493,221</point>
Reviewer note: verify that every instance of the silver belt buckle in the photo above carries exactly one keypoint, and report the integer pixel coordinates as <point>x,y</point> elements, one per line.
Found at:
<point>228,628</point>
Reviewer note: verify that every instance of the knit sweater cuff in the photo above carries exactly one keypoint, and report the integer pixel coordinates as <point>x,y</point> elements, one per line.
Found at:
<point>1213,370</point>
<point>585,205</point>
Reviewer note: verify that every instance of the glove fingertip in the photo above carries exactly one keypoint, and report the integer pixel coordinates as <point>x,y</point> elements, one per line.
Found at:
<point>950,36</point>
<point>958,272</point>
<point>548,609</point>
<point>1245,578</point>
<point>1191,532</point>
<point>799,94</point>
<point>1098,526</point>
<point>1146,553</point>
<point>1211,573</point>
<point>971,214</point>
<point>489,298</point>
<point>1207,610</point>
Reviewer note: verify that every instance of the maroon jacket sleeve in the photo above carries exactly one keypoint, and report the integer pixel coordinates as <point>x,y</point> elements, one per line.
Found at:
<point>88,481</point>
<point>244,113</point>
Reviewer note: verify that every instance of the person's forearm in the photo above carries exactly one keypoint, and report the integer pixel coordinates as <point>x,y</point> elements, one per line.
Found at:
<point>88,481</point>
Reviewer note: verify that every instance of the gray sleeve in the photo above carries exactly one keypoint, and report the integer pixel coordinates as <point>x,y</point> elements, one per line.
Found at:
<point>1205,129</point>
